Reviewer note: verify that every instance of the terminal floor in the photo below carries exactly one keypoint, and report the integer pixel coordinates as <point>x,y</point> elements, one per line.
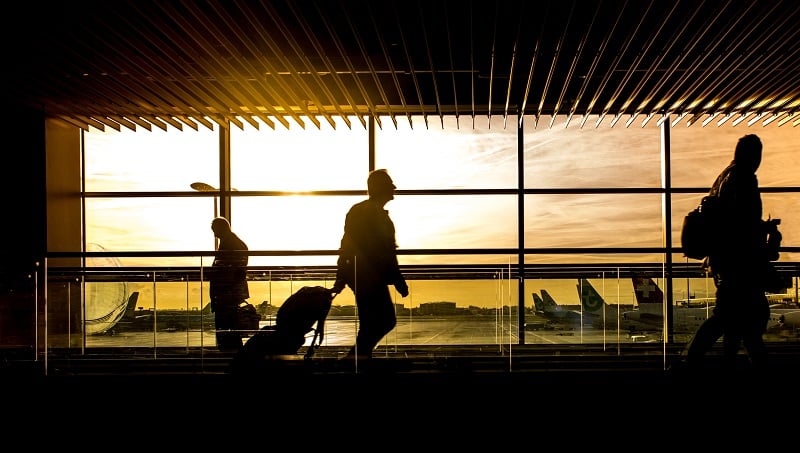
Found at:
<point>433,386</point>
<point>402,408</point>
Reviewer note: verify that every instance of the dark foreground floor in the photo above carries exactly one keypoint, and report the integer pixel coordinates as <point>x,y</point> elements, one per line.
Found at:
<point>403,409</point>
<point>415,385</point>
<point>401,403</point>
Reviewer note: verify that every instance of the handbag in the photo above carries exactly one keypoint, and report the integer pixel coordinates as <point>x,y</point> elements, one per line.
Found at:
<point>247,318</point>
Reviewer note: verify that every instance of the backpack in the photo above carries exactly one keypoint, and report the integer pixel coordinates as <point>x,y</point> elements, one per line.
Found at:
<point>699,232</point>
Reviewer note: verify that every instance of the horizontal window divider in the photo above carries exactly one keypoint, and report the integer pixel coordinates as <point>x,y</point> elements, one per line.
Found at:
<point>334,252</point>
<point>400,192</point>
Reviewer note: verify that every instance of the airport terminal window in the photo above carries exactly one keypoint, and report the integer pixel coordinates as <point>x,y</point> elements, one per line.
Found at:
<point>460,154</point>
<point>700,153</point>
<point>593,220</point>
<point>471,216</point>
<point>571,156</point>
<point>461,200</point>
<point>298,222</point>
<point>781,205</point>
<point>422,221</point>
<point>154,161</point>
<point>300,159</point>
<point>150,223</point>
<point>455,221</point>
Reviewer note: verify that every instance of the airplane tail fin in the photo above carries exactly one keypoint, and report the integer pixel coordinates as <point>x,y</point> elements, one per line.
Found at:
<point>130,309</point>
<point>591,300</point>
<point>646,291</point>
<point>548,302</point>
<point>538,303</point>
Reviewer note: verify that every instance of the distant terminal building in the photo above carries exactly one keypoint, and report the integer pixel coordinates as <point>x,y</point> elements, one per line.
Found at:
<point>350,310</point>
<point>439,309</point>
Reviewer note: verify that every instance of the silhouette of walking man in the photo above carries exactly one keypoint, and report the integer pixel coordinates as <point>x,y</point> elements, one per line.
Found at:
<point>368,264</point>
<point>228,284</point>
<point>739,265</point>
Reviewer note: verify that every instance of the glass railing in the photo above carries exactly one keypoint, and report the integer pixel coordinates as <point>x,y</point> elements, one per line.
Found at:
<point>109,312</point>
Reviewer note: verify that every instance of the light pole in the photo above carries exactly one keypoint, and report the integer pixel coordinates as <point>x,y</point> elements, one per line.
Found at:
<point>203,187</point>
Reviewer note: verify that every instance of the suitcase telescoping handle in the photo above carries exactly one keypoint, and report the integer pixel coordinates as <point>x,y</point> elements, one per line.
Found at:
<point>319,331</point>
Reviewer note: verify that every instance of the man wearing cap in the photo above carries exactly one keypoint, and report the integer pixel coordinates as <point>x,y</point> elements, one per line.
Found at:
<point>368,264</point>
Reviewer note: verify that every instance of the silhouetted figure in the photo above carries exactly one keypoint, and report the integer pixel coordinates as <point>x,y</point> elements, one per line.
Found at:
<point>739,266</point>
<point>368,264</point>
<point>228,284</point>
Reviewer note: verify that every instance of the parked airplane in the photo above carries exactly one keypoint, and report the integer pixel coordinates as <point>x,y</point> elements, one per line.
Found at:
<point>113,318</point>
<point>688,315</point>
<point>163,320</point>
<point>604,315</point>
<point>556,316</point>
<point>772,298</point>
<point>651,304</point>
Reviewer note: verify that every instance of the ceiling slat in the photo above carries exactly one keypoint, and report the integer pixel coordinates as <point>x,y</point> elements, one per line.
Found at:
<point>237,97</point>
<point>389,64</point>
<point>166,59</point>
<point>328,67</point>
<point>371,68</point>
<point>411,67</point>
<point>573,69</point>
<point>727,61</point>
<point>351,69</point>
<point>759,85</point>
<point>225,63</point>
<point>426,45</point>
<point>534,59</point>
<point>144,71</point>
<point>124,121</point>
<point>258,101</point>
<point>551,74</point>
<point>590,73</point>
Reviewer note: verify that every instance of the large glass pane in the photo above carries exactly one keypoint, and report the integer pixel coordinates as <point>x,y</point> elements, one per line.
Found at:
<point>433,222</point>
<point>455,221</point>
<point>700,153</point>
<point>566,155</point>
<point>300,159</point>
<point>459,154</point>
<point>300,222</point>
<point>150,223</point>
<point>156,160</point>
<point>593,220</point>
<point>785,206</point>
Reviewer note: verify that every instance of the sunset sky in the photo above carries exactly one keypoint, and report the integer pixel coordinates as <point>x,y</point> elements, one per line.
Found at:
<point>459,156</point>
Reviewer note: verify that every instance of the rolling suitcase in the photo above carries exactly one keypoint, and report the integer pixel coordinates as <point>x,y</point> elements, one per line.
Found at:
<point>302,312</point>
